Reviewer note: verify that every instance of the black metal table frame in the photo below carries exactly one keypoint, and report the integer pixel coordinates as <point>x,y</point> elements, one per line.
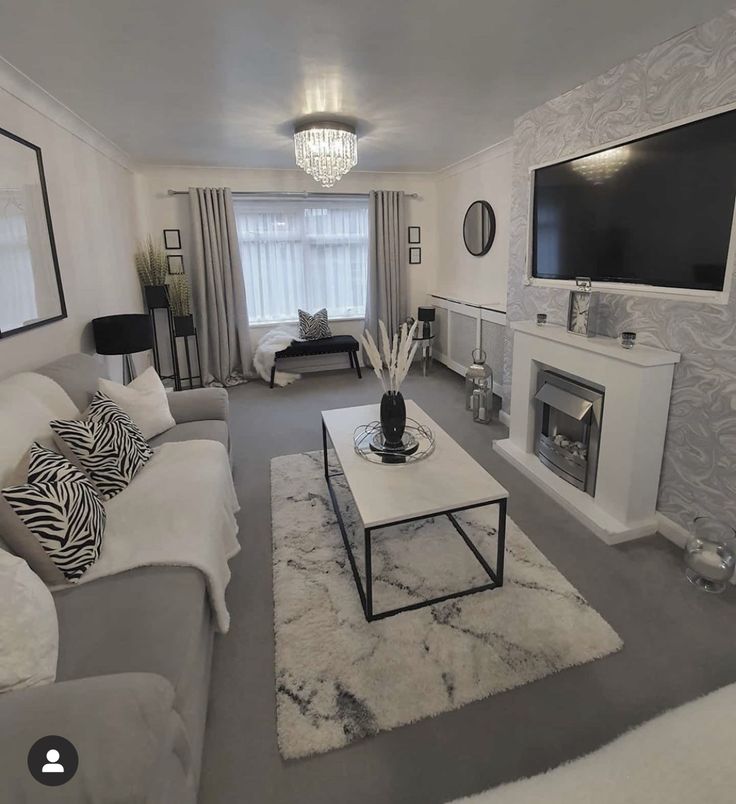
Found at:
<point>366,594</point>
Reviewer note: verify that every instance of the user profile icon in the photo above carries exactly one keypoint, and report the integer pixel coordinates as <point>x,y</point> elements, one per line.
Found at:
<point>53,760</point>
<point>53,765</point>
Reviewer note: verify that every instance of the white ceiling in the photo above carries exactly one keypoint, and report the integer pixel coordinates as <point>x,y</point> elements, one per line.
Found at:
<point>220,82</point>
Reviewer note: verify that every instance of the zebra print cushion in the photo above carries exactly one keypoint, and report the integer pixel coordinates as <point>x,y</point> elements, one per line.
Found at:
<point>314,326</point>
<point>107,445</point>
<point>59,508</point>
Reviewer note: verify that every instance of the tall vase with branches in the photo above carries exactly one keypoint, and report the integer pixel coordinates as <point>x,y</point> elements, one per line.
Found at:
<point>181,305</point>
<point>152,269</point>
<point>391,364</point>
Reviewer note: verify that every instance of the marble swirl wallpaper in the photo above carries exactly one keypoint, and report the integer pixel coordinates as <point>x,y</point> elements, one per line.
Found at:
<point>688,75</point>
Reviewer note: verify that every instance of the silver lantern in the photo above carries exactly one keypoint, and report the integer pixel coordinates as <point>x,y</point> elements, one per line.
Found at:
<point>478,372</point>
<point>482,404</point>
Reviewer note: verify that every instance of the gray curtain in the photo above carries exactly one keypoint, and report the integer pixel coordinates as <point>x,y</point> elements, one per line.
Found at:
<point>387,298</point>
<point>218,288</point>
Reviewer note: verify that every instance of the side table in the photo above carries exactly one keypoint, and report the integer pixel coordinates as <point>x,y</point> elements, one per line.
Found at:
<point>426,345</point>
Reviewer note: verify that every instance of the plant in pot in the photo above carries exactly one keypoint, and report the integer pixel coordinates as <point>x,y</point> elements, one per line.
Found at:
<point>391,364</point>
<point>150,263</point>
<point>181,306</point>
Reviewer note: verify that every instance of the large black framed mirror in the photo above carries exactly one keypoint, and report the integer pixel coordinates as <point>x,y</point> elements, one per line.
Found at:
<point>31,293</point>
<point>479,228</point>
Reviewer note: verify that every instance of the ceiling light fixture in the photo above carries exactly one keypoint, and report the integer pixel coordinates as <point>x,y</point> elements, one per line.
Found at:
<point>326,150</point>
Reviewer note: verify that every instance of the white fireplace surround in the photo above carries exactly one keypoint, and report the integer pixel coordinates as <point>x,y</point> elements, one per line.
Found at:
<point>638,384</point>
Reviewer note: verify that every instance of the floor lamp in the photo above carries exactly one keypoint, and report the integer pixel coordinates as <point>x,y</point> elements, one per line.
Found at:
<point>123,335</point>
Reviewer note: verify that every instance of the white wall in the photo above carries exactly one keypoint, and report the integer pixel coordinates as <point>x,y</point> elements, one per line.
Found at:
<point>91,196</point>
<point>485,176</point>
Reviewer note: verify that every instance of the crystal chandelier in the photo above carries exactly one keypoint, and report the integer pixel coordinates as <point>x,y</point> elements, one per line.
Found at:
<point>601,166</point>
<point>326,150</point>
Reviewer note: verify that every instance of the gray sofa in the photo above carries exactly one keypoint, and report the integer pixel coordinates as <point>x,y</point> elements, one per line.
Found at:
<point>134,658</point>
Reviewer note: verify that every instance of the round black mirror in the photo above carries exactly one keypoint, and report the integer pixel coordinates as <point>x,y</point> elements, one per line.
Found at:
<point>479,228</point>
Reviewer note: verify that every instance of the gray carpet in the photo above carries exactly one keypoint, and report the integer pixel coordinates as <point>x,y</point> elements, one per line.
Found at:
<point>678,643</point>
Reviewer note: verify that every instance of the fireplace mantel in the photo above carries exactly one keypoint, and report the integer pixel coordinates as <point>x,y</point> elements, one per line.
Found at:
<point>638,384</point>
<point>608,347</point>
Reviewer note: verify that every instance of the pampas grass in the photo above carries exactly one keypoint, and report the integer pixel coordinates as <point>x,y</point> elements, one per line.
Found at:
<point>150,263</point>
<point>180,296</point>
<point>392,364</point>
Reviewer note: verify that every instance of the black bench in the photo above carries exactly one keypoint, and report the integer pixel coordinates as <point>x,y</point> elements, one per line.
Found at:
<point>321,346</point>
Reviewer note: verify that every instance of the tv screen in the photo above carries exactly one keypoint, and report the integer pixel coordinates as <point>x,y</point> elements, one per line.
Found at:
<point>656,211</point>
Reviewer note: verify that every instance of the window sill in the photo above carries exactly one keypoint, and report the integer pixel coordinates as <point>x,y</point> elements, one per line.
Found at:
<point>272,324</point>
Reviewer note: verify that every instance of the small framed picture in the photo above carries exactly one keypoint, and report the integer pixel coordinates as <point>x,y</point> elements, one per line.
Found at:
<point>415,256</point>
<point>175,263</point>
<point>172,239</point>
<point>415,234</point>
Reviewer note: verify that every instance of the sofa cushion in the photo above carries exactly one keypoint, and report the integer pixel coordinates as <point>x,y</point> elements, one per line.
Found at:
<point>146,620</point>
<point>107,445</point>
<point>28,402</point>
<point>210,430</point>
<point>29,629</point>
<point>57,508</point>
<point>77,374</point>
<point>125,730</point>
<point>144,399</point>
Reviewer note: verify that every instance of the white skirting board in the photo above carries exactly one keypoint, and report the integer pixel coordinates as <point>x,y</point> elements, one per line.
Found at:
<point>671,530</point>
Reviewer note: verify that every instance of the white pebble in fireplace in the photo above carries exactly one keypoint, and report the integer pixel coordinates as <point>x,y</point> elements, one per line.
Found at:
<point>633,387</point>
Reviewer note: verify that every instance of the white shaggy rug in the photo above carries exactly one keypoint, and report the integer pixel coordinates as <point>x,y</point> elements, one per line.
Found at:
<point>340,678</point>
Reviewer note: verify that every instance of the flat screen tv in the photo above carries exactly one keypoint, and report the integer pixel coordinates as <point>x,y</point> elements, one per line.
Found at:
<point>656,211</point>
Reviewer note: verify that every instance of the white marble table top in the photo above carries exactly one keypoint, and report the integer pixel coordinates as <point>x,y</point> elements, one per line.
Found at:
<point>384,493</point>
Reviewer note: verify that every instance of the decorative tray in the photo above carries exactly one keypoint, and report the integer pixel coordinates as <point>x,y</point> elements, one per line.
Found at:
<point>417,443</point>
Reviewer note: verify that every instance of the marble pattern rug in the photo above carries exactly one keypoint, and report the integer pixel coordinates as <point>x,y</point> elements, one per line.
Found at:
<point>341,679</point>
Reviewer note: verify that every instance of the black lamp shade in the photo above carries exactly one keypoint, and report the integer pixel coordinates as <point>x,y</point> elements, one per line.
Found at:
<point>122,334</point>
<point>426,314</point>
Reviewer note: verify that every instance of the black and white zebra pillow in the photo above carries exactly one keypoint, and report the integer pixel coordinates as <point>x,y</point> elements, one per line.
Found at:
<point>312,327</point>
<point>107,445</point>
<point>58,509</point>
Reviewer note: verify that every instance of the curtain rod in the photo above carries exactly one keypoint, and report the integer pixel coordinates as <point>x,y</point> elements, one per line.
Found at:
<point>295,195</point>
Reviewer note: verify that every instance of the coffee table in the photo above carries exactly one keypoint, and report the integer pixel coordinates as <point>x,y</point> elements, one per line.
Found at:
<point>445,483</point>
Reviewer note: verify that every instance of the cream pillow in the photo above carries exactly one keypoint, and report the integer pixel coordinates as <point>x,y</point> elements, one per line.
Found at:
<point>29,628</point>
<point>144,400</point>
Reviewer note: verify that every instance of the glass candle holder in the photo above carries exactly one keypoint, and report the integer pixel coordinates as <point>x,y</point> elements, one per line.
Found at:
<point>541,319</point>
<point>628,339</point>
<point>709,554</point>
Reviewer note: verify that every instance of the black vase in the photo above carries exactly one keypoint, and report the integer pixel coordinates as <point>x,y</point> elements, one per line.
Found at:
<point>393,418</point>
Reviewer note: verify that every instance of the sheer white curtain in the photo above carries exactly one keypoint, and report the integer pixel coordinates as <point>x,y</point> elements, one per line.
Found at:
<point>304,254</point>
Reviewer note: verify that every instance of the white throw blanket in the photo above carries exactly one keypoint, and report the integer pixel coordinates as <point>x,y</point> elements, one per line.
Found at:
<point>179,511</point>
<point>274,341</point>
